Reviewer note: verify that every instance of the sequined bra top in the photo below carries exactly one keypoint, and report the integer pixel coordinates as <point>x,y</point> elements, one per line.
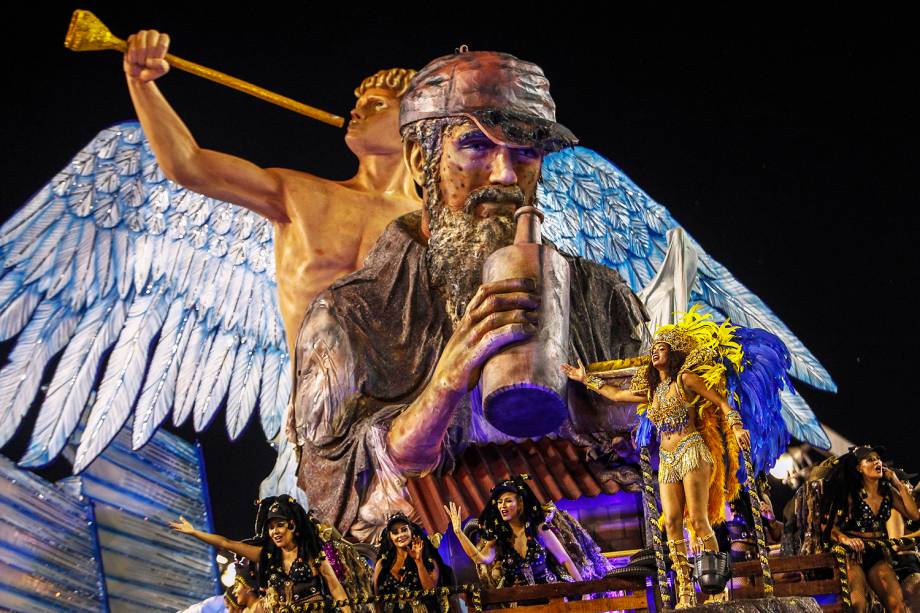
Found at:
<point>862,519</point>
<point>305,584</point>
<point>669,413</point>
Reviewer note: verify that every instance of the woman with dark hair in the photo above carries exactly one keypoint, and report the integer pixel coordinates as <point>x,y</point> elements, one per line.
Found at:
<point>408,562</point>
<point>681,392</point>
<point>859,493</point>
<point>514,533</point>
<point>292,565</point>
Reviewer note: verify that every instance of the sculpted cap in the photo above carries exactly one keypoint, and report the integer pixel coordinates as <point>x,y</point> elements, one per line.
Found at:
<point>507,98</point>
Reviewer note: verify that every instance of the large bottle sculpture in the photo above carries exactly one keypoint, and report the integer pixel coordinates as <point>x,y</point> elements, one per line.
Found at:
<point>523,388</point>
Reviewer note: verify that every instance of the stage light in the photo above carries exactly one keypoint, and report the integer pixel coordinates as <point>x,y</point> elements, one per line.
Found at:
<point>784,467</point>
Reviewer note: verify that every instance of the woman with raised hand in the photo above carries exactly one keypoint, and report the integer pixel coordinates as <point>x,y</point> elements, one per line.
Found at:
<point>292,565</point>
<point>515,534</point>
<point>408,562</point>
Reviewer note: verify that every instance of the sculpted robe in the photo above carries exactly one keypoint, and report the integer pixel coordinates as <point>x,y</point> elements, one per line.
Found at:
<point>368,346</point>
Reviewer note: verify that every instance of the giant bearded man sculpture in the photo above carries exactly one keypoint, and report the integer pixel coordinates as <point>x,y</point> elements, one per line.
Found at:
<point>388,358</point>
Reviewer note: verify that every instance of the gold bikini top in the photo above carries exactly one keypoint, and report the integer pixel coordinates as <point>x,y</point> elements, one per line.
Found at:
<point>669,413</point>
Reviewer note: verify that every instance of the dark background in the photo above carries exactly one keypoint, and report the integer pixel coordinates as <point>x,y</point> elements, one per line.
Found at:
<point>779,142</point>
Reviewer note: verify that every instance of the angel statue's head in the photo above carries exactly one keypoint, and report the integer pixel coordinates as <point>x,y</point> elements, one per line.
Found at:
<point>475,128</point>
<point>374,125</point>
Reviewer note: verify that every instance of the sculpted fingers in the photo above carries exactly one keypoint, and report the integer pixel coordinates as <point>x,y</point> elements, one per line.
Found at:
<point>156,50</point>
<point>495,303</point>
<point>497,338</point>
<point>143,47</point>
<point>161,46</point>
<point>500,319</point>
<point>131,66</point>
<point>575,374</point>
<point>143,59</point>
<point>524,285</point>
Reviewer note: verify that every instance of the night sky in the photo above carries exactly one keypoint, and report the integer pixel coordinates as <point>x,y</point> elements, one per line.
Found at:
<point>782,148</point>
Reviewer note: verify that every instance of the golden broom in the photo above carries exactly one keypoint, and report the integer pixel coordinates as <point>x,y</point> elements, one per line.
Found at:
<point>88,33</point>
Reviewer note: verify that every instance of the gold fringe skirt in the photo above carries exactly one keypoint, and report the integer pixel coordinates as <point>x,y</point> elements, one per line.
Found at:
<point>691,453</point>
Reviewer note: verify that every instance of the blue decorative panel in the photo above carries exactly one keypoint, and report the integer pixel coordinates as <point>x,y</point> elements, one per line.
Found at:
<point>147,566</point>
<point>49,556</point>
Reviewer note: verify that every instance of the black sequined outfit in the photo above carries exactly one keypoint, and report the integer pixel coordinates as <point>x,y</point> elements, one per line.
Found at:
<point>409,581</point>
<point>306,586</point>
<point>527,570</point>
<point>863,520</point>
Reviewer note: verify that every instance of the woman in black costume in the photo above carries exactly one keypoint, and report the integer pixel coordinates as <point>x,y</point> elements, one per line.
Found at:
<point>408,562</point>
<point>859,493</point>
<point>287,546</point>
<point>514,533</point>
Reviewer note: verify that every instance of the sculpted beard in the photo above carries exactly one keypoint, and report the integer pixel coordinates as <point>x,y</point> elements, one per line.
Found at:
<point>460,243</point>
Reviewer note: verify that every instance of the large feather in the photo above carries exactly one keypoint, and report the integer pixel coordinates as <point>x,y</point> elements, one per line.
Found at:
<point>273,376</point>
<point>18,311</point>
<point>244,387</point>
<point>83,265</point>
<point>801,422</point>
<point>73,381</point>
<point>216,379</point>
<point>186,381</point>
<point>160,384</point>
<point>123,376</point>
<point>36,208</point>
<point>47,333</point>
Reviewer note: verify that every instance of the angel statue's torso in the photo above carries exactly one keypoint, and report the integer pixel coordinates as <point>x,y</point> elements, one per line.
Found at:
<point>332,227</point>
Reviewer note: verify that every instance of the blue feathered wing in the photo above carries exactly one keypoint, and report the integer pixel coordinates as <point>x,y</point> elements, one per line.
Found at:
<point>162,300</point>
<point>595,211</point>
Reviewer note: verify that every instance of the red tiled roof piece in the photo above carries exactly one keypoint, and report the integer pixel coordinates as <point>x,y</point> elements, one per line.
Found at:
<point>557,467</point>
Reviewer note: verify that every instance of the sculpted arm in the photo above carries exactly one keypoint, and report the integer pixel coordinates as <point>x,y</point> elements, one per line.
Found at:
<point>500,313</point>
<point>207,172</point>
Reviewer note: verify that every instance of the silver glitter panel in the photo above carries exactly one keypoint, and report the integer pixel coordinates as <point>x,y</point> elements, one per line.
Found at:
<point>148,567</point>
<point>49,557</point>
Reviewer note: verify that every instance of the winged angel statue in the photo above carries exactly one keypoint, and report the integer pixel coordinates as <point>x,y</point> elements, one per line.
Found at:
<point>164,301</point>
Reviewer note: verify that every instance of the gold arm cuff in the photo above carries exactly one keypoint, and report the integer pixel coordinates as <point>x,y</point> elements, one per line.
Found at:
<point>593,382</point>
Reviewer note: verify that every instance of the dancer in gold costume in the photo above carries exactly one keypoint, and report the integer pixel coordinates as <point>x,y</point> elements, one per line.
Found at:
<point>681,392</point>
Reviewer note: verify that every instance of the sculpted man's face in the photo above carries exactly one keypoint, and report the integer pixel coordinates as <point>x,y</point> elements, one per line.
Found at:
<point>483,178</point>
<point>374,125</point>
<point>481,184</point>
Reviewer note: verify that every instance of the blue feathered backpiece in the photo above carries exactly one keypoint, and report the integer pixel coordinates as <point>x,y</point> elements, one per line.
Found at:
<point>755,393</point>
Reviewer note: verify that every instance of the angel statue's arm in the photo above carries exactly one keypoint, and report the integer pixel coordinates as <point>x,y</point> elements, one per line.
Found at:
<point>214,174</point>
